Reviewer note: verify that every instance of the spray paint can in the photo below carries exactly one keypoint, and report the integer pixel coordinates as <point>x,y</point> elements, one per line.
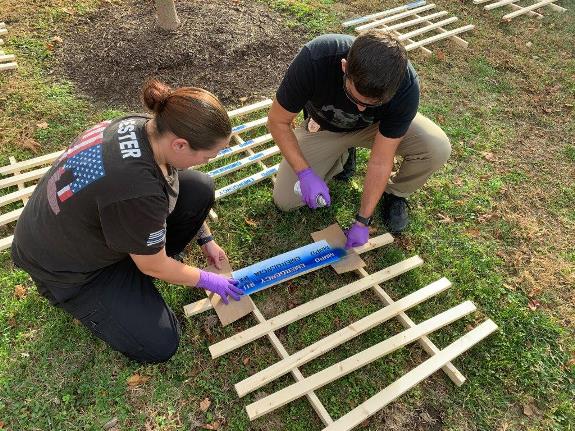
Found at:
<point>319,200</point>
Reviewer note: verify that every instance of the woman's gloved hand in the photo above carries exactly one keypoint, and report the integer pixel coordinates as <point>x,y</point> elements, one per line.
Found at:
<point>223,286</point>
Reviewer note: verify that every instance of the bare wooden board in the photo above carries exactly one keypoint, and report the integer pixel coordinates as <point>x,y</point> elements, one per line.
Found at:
<point>235,309</point>
<point>336,238</point>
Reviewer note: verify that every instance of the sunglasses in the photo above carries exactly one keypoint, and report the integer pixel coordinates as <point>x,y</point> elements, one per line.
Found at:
<point>354,100</point>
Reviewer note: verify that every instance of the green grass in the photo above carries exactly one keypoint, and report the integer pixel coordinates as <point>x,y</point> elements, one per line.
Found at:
<point>53,375</point>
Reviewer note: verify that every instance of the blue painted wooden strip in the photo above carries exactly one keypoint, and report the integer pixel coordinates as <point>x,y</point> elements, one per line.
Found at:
<point>287,265</point>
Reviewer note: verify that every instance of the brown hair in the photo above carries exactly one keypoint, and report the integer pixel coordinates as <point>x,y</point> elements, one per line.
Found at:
<point>377,64</point>
<point>191,113</point>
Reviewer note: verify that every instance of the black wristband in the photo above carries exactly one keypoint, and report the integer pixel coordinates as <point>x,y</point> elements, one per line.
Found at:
<point>205,240</point>
<point>365,220</point>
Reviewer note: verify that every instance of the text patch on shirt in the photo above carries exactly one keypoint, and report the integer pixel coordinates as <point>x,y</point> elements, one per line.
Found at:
<point>127,139</point>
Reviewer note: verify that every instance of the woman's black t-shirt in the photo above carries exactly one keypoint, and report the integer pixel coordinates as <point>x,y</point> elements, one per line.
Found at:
<point>103,199</point>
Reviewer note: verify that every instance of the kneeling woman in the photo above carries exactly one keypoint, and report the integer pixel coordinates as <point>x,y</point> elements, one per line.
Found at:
<point>104,221</point>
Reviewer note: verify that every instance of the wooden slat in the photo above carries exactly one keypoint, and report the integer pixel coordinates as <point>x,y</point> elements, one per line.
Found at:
<point>438,37</point>
<point>3,31</point>
<point>11,216</point>
<point>373,243</point>
<point>278,346</point>
<point>526,9</point>
<point>500,3</point>
<point>396,17</point>
<point>481,1</point>
<point>355,21</point>
<point>20,185</point>
<point>459,41</point>
<point>355,362</point>
<point>312,306</point>
<point>246,161</point>
<point>30,163</point>
<point>427,28</point>
<point>213,215</point>
<point>16,196</point>
<point>7,57</point>
<point>453,373</point>
<point>230,151</point>
<point>556,8</point>
<point>23,178</point>
<point>246,182</point>
<point>530,13</point>
<point>8,66</point>
<point>240,141</point>
<point>337,338</point>
<point>250,108</point>
<point>412,378</point>
<point>241,128</point>
<point>415,21</point>
<point>6,242</point>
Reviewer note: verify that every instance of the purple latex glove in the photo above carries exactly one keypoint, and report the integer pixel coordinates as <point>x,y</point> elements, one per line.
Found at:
<point>312,186</point>
<point>356,235</point>
<point>223,286</point>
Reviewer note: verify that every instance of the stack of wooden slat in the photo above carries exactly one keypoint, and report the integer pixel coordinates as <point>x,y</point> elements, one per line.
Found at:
<point>6,60</point>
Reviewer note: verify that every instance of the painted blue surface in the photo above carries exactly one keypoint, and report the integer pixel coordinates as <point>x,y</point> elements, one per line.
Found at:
<point>276,269</point>
<point>238,128</point>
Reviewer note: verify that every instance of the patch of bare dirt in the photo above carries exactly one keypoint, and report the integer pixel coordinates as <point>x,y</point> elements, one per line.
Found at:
<point>235,49</point>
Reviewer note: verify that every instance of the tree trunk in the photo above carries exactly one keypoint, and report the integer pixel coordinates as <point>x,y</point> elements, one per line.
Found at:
<point>167,15</point>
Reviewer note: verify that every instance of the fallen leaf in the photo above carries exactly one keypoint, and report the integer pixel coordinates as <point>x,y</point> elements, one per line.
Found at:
<point>29,144</point>
<point>243,99</point>
<point>533,304</point>
<point>50,46</point>
<point>489,156</point>
<point>2,424</point>
<point>57,39</point>
<point>213,426</point>
<point>440,55</point>
<point>246,360</point>
<point>251,222</point>
<point>205,404</point>
<point>111,424</point>
<point>485,217</point>
<point>137,379</point>
<point>20,291</point>
<point>444,218</point>
<point>528,410</point>
<point>42,125</point>
<point>474,233</point>
<point>440,119</point>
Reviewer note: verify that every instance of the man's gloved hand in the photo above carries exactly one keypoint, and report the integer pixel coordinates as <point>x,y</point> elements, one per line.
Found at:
<point>223,286</point>
<point>357,235</point>
<point>312,186</point>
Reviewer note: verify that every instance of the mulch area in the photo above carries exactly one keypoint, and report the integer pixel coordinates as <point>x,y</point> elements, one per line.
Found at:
<point>239,50</point>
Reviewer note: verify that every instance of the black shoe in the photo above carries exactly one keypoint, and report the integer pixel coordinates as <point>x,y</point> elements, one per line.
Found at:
<point>348,167</point>
<point>394,213</point>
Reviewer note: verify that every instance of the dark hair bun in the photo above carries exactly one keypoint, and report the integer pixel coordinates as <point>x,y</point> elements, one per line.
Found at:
<point>155,95</point>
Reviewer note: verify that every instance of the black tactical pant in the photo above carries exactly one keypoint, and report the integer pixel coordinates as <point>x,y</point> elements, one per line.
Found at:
<point>121,305</point>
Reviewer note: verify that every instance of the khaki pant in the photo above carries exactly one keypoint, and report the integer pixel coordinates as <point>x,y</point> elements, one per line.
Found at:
<point>424,149</point>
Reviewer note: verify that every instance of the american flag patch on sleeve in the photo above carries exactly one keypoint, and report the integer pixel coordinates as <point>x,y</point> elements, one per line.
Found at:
<point>156,237</point>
